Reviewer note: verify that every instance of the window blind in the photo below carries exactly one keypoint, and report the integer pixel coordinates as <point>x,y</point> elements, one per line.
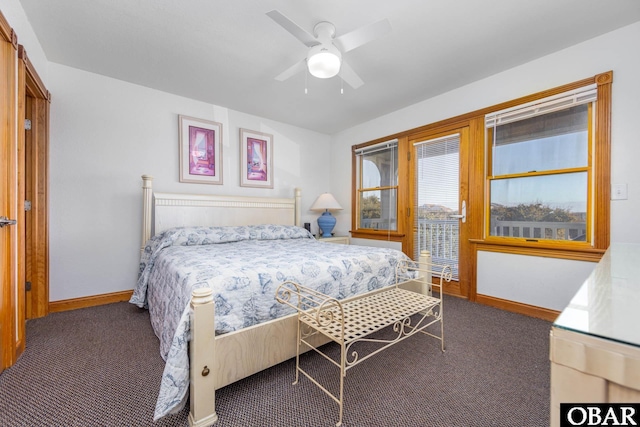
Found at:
<point>437,194</point>
<point>542,106</point>
<point>377,147</point>
<point>437,175</point>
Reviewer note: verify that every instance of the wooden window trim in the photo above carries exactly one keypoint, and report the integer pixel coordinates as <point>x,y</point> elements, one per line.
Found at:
<point>539,249</point>
<point>601,168</point>
<point>534,242</point>
<point>401,195</point>
<point>475,121</point>
<point>372,233</point>
<point>364,233</point>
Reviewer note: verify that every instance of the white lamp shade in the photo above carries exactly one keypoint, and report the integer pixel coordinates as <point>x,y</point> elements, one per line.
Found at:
<point>324,61</point>
<point>325,201</point>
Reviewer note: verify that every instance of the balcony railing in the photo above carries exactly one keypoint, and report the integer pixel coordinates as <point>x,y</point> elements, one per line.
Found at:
<point>441,237</point>
<point>378,223</point>
<point>576,231</point>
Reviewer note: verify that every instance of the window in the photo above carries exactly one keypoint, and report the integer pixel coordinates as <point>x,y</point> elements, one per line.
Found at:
<point>535,176</point>
<point>539,169</point>
<point>377,186</point>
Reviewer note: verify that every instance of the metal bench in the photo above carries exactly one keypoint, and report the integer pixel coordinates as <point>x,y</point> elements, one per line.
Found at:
<point>352,321</point>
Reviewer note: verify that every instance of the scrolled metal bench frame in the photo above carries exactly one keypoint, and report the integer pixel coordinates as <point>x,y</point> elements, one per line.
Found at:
<point>353,321</point>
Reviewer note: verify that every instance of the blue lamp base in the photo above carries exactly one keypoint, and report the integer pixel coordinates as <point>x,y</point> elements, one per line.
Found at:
<point>326,222</point>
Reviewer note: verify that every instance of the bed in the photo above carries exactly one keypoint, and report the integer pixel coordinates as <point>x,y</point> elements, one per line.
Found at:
<point>209,269</point>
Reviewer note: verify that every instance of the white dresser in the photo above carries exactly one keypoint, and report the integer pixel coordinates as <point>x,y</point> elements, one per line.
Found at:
<point>595,342</point>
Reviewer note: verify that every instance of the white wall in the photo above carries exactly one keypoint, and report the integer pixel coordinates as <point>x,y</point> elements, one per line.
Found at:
<point>546,287</point>
<point>105,133</point>
<point>14,14</point>
<point>617,51</point>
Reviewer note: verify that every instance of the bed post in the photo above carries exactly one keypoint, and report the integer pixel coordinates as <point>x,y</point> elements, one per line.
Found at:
<point>147,199</point>
<point>424,263</point>
<point>298,197</point>
<point>202,410</point>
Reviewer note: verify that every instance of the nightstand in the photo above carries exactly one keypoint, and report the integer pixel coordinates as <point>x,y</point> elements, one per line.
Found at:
<point>340,240</point>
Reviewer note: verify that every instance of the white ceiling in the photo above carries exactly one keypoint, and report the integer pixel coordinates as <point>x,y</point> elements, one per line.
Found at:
<point>228,52</point>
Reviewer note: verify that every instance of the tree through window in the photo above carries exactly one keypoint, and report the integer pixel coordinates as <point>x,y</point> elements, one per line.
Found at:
<point>377,188</point>
<point>539,168</point>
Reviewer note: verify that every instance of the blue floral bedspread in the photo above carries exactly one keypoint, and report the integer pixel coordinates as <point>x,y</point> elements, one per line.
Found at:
<point>244,266</point>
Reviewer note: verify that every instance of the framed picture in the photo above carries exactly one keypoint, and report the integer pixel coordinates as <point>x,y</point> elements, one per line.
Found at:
<point>200,151</point>
<point>256,159</point>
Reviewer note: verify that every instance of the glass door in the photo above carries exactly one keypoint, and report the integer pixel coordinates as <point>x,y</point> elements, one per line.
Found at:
<point>438,210</point>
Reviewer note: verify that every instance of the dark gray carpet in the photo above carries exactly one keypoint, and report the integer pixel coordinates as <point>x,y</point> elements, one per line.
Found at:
<point>100,366</point>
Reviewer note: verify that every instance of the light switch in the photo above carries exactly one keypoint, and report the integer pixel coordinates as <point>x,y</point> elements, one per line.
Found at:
<point>619,192</point>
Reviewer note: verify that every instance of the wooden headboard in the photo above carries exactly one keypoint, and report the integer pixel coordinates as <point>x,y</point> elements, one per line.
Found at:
<point>165,210</point>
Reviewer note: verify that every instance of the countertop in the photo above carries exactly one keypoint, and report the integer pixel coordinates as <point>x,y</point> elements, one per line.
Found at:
<point>607,305</point>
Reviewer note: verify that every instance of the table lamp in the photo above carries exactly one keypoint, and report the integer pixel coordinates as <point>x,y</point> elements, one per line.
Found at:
<point>326,221</point>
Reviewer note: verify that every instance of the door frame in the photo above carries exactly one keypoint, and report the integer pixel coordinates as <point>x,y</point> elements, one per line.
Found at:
<point>463,286</point>
<point>9,334</point>
<point>37,100</point>
<point>25,253</point>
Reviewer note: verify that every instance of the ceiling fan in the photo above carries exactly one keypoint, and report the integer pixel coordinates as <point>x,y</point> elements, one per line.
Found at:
<point>324,59</point>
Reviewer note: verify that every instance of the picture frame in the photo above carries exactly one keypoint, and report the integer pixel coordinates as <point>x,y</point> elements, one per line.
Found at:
<point>200,150</point>
<point>256,159</point>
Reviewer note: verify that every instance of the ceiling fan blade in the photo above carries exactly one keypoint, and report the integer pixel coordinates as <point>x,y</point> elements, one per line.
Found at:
<point>348,75</point>
<point>293,70</point>
<point>362,35</point>
<point>293,28</point>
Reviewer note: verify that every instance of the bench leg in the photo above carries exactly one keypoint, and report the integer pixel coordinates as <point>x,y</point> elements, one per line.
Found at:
<point>298,353</point>
<point>441,327</point>
<point>343,373</point>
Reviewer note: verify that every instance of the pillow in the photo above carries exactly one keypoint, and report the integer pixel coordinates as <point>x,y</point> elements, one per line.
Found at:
<point>277,232</point>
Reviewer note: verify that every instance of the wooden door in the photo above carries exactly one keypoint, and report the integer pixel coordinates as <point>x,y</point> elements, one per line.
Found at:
<point>24,154</point>
<point>8,195</point>
<point>440,198</point>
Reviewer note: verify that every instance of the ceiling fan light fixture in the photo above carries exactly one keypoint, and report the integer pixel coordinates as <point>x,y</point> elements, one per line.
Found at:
<point>324,61</point>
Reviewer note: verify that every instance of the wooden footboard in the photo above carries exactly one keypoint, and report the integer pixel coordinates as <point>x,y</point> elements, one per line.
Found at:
<point>217,361</point>
<point>227,358</point>
<point>202,398</point>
